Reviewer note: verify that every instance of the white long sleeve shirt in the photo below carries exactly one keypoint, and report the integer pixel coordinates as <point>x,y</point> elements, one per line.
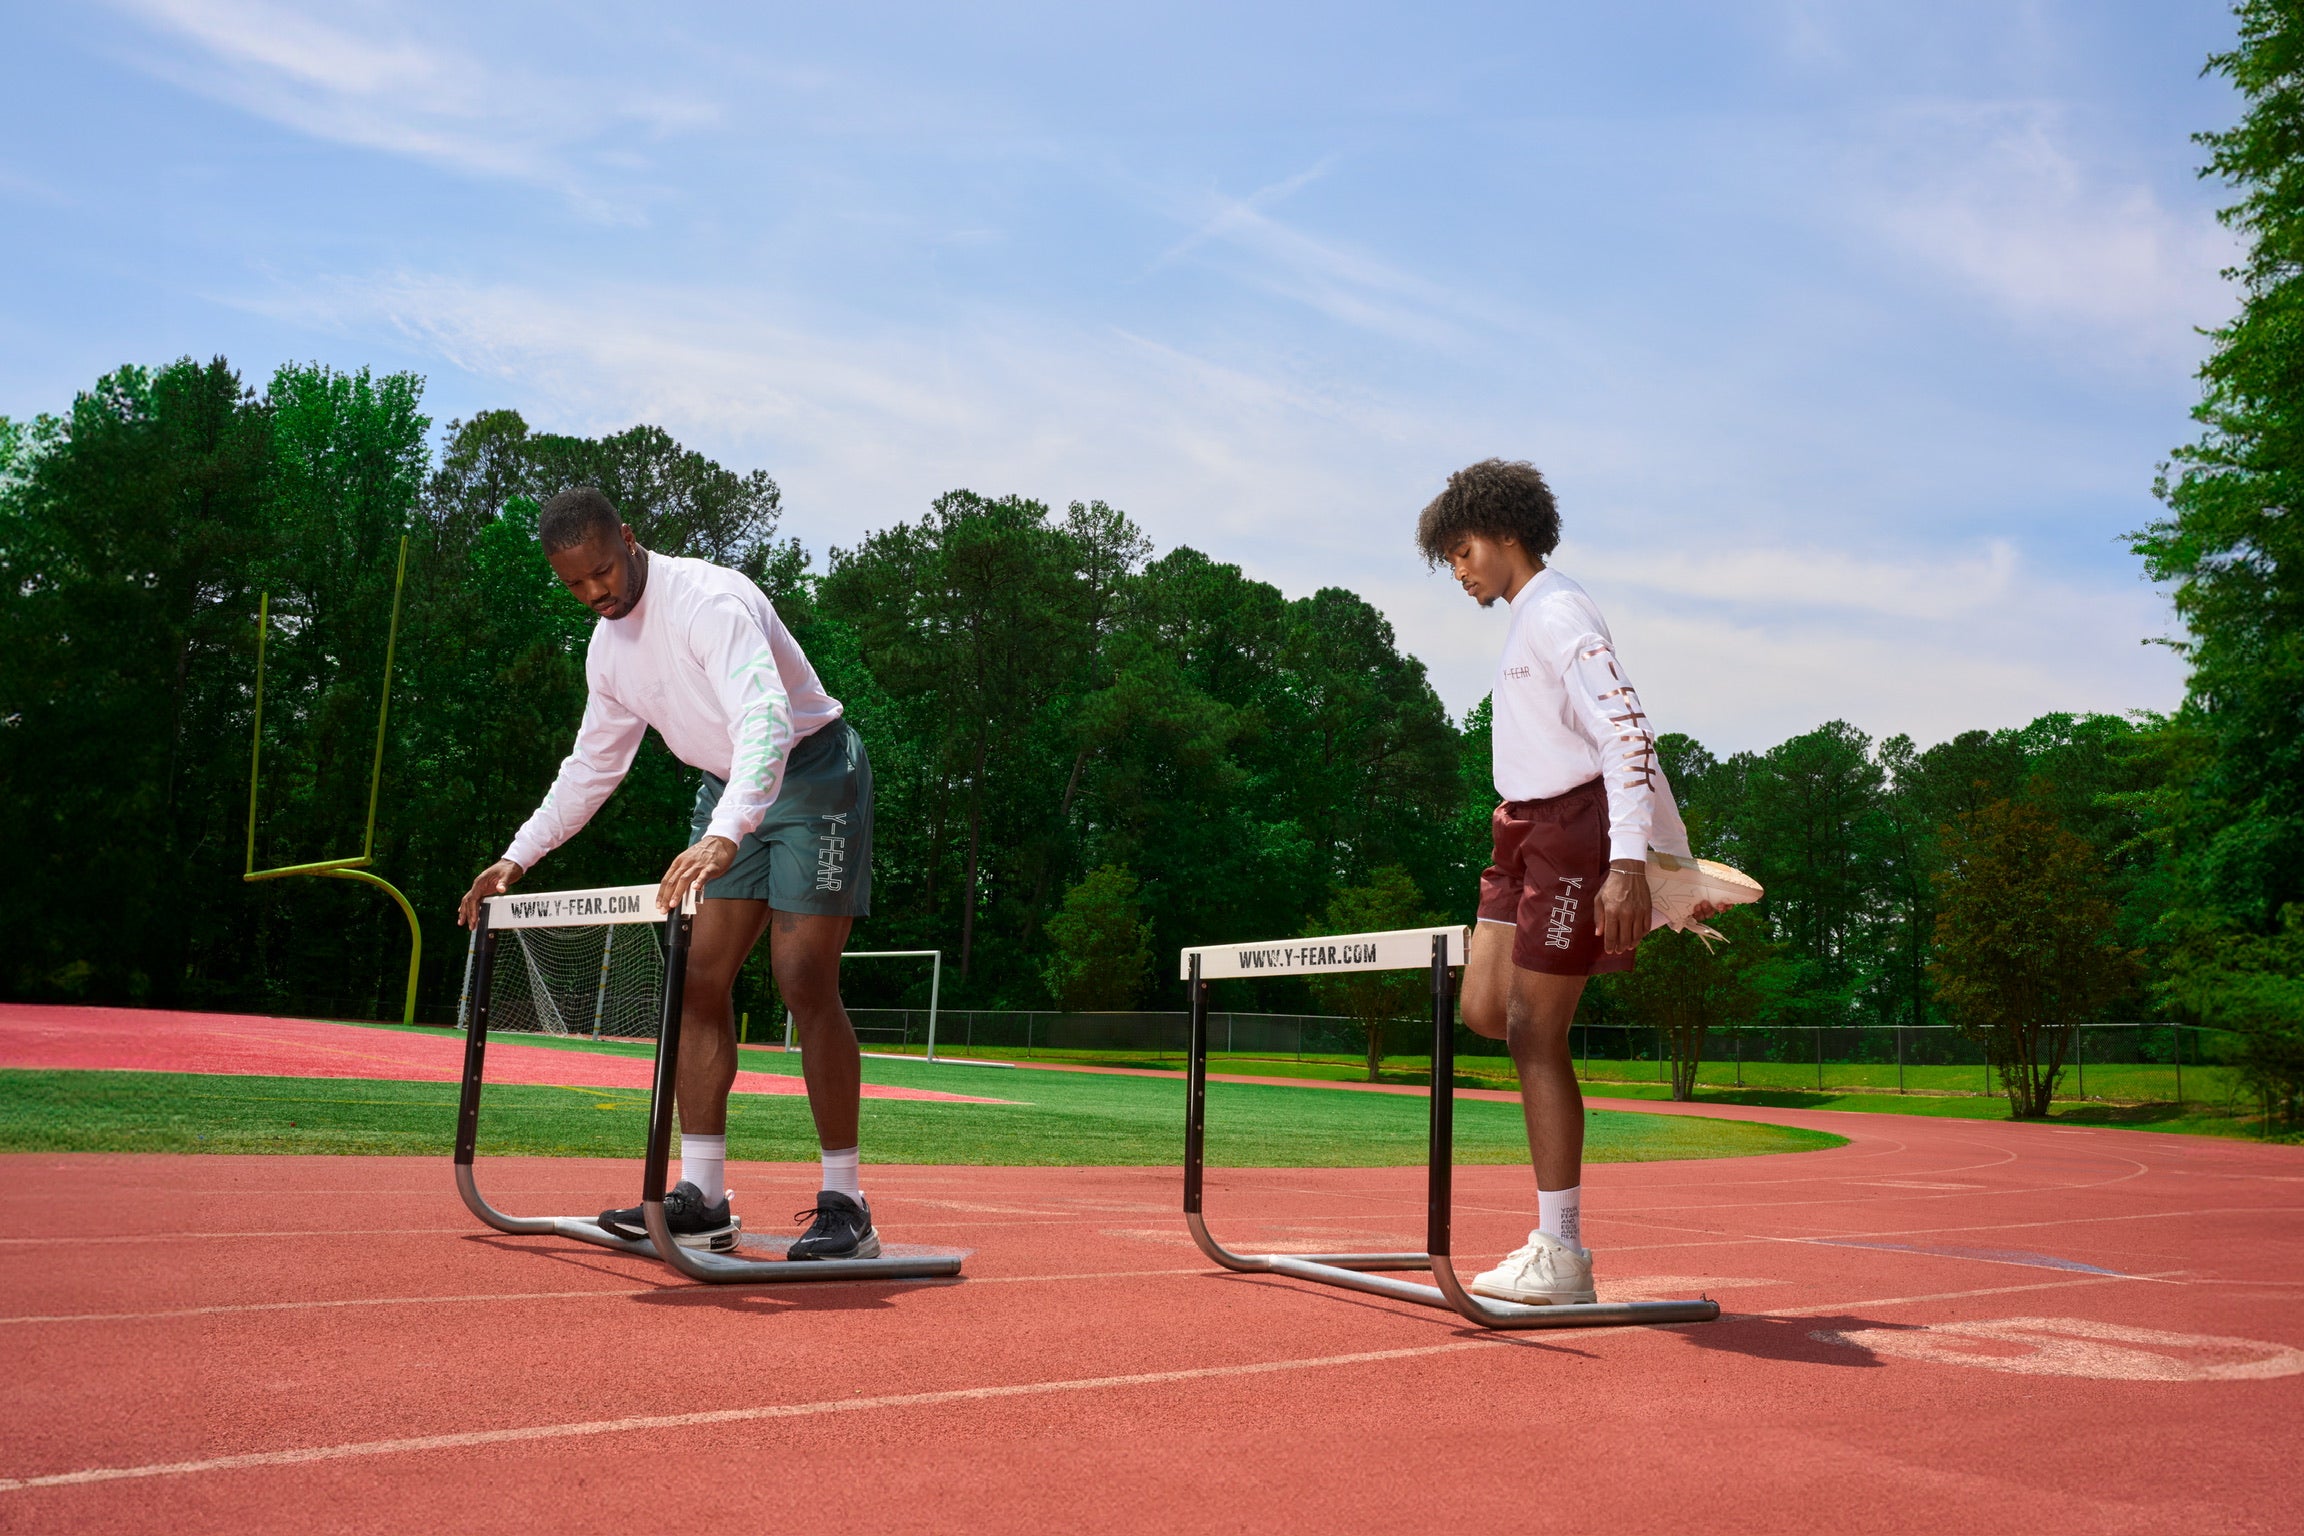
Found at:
<point>704,659</point>
<point>1565,713</point>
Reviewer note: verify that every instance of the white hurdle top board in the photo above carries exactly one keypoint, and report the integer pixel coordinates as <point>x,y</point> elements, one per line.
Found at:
<point>1399,949</point>
<point>579,909</point>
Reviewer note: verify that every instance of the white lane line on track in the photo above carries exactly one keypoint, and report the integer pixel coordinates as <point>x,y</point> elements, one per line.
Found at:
<point>300,1457</point>
<point>309,1454</point>
<point>466,1231</point>
<point>232,1308</point>
<point>1995,1290</point>
<point>1714,1239</point>
<point>178,1237</point>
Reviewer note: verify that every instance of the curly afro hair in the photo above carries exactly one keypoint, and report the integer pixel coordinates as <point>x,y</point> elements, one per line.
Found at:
<point>1493,497</point>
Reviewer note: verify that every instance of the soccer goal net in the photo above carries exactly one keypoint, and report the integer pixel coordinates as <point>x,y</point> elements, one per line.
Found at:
<point>576,963</point>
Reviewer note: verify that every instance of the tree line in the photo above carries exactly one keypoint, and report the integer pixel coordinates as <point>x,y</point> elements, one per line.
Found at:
<point>1087,752</point>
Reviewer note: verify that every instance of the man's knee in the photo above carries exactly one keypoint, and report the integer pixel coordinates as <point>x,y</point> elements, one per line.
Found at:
<point>808,982</point>
<point>1485,1016</point>
<point>1534,1031</point>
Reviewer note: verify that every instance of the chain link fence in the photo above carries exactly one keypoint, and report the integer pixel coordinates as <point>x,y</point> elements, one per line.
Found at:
<point>2135,1062</point>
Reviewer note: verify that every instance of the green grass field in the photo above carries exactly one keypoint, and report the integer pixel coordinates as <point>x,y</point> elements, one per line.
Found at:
<point>1059,1118</point>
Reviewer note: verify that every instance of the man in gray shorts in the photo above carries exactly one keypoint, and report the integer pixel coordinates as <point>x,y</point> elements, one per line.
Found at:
<point>782,834</point>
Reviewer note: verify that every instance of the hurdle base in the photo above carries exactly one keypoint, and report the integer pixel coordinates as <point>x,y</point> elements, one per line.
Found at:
<point>701,1264</point>
<point>1360,1272</point>
<point>1497,1314</point>
<point>729,1269</point>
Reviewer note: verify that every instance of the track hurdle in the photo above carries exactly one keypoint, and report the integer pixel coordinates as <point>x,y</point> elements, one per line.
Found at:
<point>1399,949</point>
<point>637,904</point>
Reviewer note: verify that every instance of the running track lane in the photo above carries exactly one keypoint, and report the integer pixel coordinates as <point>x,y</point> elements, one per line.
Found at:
<point>1942,1325</point>
<point>155,1040</point>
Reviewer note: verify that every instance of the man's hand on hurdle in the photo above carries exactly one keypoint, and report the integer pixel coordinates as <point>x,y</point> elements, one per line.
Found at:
<point>493,881</point>
<point>707,861</point>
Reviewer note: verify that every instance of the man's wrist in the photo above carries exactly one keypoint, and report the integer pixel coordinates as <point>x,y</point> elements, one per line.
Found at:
<point>1628,866</point>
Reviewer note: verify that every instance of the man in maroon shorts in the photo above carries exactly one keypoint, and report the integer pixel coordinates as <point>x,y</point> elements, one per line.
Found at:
<point>1566,893</point>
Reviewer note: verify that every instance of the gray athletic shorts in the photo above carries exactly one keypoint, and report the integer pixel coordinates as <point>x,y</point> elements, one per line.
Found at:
<point>813,852</point>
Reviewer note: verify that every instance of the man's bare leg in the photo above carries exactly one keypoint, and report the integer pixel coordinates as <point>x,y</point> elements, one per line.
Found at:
<point>1542,1009</point>
<point>723,936</point>
<point>1531,1011</point>
<point>804,948</point>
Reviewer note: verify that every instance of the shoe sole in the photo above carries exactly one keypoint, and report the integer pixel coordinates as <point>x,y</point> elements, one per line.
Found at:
<point>711,1242</point>
<point>1575,1299</point>
<point>1705,879</point>
<point>867,1247</point>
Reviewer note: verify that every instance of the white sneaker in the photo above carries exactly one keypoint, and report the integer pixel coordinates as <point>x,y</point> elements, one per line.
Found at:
<point>1676,885</point>
<point>1543,1272</point>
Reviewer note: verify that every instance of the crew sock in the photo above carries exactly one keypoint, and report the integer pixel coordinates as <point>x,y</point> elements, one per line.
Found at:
<point>840,1172</point>
<point>1560,1212</point>
<point>704,1163</point>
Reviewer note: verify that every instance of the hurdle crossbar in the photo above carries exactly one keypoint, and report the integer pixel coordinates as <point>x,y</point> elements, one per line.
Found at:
<point>635,904</point>
<point>1399,949</point>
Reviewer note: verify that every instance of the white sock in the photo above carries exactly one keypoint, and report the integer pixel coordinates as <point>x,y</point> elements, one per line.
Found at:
<point>1560,1212</point>
<point>840,1172</point>
<point>704,1163</point>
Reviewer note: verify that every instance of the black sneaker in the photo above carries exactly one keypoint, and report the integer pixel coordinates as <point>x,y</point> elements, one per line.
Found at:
<point>842,1229</point>
<point>694,1224</point>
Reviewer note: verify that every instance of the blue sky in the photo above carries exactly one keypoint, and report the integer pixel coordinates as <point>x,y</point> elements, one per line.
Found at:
<point>1850,334</point>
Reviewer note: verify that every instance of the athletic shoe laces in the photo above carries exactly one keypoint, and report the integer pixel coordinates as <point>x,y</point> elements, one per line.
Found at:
<point>685,1202</point>
<point>825,1212</point>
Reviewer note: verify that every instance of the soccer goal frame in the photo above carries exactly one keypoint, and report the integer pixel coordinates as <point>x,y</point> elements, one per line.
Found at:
<point>634,904</point>
<point>1399,949</point>
<point>935,959</point>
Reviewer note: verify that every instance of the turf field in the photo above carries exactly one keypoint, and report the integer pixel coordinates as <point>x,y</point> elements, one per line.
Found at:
<point>1055,1118</point>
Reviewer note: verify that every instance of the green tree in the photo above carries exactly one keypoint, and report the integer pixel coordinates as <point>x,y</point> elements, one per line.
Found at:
<point>1684,989</point>
<point>2026,944</point>
<point>979,622</point>
<point>131,531</point>
<point>1102,946</point>
<point>1374,999</point>
<point>2232,545</point>
<point>1804,819</point>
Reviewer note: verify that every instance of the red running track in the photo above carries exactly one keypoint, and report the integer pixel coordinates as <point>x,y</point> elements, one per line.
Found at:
<point>155,1040</point>
<point>1943,1326</point>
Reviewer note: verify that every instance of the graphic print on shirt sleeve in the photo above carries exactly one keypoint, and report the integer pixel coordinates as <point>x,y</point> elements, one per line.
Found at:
<point>762,729</point>
<point>1620,710</point>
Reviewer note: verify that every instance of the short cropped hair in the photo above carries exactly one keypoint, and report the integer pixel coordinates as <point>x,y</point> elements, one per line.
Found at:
<point>576,517</point>
<point>1490,498</point>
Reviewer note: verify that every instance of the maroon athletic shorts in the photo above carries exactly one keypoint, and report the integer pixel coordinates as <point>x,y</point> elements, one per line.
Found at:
<point>1544,878</point>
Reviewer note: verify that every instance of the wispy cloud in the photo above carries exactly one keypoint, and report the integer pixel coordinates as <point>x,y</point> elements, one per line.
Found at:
<point>1244,239</point>
<point>1816,579</point>
<point>1735,639</point>
<point>18,184</point>
<point>1995,198</point>
<point>881,416</point>
<point>363,75</point>
<point>1739,668</point>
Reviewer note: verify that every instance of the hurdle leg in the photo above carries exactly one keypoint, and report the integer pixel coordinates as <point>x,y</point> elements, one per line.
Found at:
<point>1347,1265</point>
<point>468,1120</point>
<point>702,1264</point>
<point>1353,1271</point>
<point>1503,1314</point>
